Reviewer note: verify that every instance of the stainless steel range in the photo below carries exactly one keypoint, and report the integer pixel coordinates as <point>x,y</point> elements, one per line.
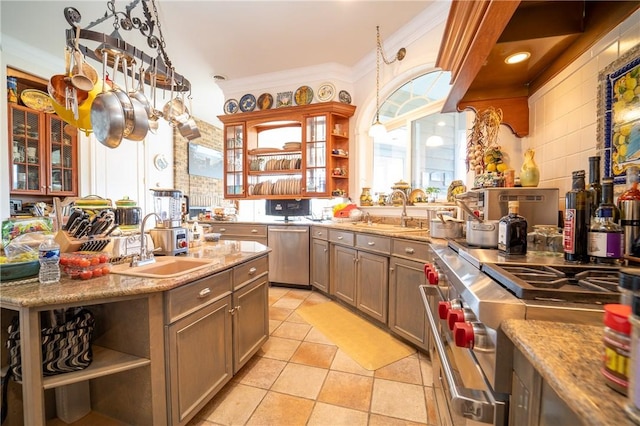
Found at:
<point>470,292</point>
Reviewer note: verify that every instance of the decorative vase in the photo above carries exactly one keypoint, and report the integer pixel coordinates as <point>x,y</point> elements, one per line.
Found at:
<point>365,197</point>
<point>530,173</point>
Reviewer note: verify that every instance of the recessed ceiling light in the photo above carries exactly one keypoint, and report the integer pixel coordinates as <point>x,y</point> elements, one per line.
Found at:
<point>517,57</point>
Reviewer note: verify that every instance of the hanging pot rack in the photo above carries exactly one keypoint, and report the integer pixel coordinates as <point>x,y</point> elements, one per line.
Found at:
<point>114,45</point>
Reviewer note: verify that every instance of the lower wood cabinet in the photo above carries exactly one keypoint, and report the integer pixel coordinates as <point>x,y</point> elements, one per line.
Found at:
<point>320,264</point>
<point>250,320</point>
<point>407,317</point>
<point>343,277</point>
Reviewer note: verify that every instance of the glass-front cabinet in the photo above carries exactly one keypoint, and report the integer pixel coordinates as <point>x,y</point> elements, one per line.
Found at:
<point>43,157</point>
<point>290,152</point>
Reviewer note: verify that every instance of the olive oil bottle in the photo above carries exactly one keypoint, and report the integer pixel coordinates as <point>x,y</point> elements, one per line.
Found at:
<point>576,220</point>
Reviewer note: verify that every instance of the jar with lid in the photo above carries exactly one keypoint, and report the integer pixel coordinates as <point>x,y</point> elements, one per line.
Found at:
<point>365,198</point>
<point>617,346</point>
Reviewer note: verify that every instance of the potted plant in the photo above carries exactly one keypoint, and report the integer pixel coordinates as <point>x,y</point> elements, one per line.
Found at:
<point>432,193</point>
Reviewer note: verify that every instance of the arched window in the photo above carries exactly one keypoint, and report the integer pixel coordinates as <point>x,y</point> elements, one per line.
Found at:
<point>422,146</point>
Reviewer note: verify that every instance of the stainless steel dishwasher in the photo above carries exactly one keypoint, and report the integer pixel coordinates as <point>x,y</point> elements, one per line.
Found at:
<point>289,258</point>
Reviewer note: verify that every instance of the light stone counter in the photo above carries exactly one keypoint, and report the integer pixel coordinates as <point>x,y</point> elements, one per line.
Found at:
<point>224,254</point>
<point>569,359</point>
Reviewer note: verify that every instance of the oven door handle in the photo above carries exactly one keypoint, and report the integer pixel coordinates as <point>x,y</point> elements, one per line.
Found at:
<point>477,405</point>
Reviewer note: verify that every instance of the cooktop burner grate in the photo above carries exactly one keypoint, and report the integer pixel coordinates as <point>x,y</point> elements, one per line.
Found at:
<point>583,284</point>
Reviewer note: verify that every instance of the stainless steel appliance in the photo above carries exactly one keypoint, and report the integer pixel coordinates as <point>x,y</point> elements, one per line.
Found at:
<point>289,258</point>
<point>538,205</point>
<point>169,237</point>
<point>470,292</point>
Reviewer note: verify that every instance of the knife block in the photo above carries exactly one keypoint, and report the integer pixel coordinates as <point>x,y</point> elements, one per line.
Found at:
<point>70,244</point>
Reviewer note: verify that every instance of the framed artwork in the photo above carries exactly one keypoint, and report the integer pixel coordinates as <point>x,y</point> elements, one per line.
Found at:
<point>619,115</point>
<point>284,99</point>
<point>205,161</point>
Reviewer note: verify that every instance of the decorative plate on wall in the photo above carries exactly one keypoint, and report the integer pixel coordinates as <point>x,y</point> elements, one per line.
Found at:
<point>326,92</point>
<point>265,101</point>
<point>304,95</point>
<point>344,97</point>
<point>247,103</point>
<point>231,106</point>
<point>284,99</point>
<point>37,99</point>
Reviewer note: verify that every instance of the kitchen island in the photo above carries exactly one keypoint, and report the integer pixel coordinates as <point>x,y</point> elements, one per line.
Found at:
<point>132,376</point>
<point>568,360</point>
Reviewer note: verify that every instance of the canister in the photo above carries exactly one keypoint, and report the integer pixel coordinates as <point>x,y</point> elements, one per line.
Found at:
<point>617,346</point>
<point>628,284</point>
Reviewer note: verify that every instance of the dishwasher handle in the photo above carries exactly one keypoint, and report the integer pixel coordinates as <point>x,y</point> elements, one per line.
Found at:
<point>299,231</point>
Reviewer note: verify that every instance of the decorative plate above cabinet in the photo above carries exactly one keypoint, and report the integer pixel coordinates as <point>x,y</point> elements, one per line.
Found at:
<point>255,169</point>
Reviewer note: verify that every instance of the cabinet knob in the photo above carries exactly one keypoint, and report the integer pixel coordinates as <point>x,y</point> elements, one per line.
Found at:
<point>371,243</point>
<point>391,269</point>
<point>340,237</point>
<point>409,250</point>
<point>223,229</point>
<point>232,311</point>
<point>252,271</point>
<point>254,231</point>
<point>325,250</point>
<point>204,293</point>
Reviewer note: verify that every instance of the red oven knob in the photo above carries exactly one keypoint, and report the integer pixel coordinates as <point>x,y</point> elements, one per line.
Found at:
<point>443,309</point>
<point>427,269</point>
<point>433,277</point>
<point>182,244</point>
<point>464,335</point>
<point>454,316</point>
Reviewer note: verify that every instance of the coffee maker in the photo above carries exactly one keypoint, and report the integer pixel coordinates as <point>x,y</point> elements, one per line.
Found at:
<point>169,236</point>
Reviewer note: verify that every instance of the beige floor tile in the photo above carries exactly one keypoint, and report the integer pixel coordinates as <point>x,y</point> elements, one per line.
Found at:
<point>292,330</point>
<point>234,405</point>
<point>277,292</point>
<point>325,414</point>
<point>427,372</point>
<point>406,370</point>
<point>298,293</point>
<point>288,302</point>
<point>300,380</point>
<point>400,400</point>
<point>314,354</point>
<point>432,409</point>
<point>316,336</point>
<point>273,324</point>
<point>280,409</point>
<point>347,390</point>
<point>295,317</point>
<point>260,372</point>
<point>279,348</point>
<point>343,362</point>
<point>378,420</point>
<point>279,314</point>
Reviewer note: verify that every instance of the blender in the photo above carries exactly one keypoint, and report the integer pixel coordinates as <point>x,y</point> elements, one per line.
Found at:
<point>169,237</point>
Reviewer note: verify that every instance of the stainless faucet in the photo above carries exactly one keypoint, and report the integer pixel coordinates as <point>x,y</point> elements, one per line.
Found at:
<point>403,215</point>
<point>367,218</point>
<point>146,256</point>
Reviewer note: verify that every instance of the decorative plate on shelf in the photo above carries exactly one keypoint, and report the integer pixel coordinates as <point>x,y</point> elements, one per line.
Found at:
<point>37,99</point>
<point>247,103</point>
<point>344,97</point>
<point>284,99</point>
<point>304,95</point>
<point>326,92</point>
<point>231,106</point>
<point>265,101</point>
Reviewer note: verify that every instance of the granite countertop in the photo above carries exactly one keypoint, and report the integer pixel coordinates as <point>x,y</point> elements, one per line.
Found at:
<point>569,359</point>
<point>223,255</point>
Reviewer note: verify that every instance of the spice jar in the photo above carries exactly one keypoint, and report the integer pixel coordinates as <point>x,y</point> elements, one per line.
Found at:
<point>617,346</point>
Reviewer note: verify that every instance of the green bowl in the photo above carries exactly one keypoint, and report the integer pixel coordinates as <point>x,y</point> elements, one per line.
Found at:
<point>19,270</point>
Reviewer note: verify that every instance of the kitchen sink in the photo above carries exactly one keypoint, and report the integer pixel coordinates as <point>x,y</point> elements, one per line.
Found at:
<point>164,267</point>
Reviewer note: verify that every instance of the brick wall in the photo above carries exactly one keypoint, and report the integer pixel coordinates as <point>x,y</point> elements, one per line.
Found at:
<point>201,190</point>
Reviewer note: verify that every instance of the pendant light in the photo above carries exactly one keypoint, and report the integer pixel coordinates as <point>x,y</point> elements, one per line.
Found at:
<point>378,129</point>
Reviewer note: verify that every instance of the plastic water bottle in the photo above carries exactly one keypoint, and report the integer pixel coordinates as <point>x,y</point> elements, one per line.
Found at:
<point>49,251</point>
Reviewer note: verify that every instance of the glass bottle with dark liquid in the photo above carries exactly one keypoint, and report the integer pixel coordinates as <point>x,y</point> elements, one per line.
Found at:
<point>576,220</point>
<point>595,188</point>
<point>512,232</point>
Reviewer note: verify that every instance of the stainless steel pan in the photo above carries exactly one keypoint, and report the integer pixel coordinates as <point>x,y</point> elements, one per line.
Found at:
<point>107,114</point>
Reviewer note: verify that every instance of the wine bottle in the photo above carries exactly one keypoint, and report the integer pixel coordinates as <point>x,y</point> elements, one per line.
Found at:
<point>606,237</point>
<point>576,220</point>
<point>512,232</point>
<point>595,188</point>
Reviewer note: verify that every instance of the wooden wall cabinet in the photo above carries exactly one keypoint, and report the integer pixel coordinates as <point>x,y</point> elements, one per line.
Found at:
<point>43,159</point>
<point>316,168</point>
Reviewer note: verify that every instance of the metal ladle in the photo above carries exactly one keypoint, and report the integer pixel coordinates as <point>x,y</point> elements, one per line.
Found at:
<point>79,80</point>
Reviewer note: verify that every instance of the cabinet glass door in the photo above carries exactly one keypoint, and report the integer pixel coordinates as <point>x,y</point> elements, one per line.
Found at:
<point>316,159</point>
<point>26,155</point>
<point>61,157</point>
<point>234,169</point>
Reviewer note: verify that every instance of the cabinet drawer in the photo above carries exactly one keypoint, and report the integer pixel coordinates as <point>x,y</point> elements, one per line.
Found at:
<point>244,230</point>
<point>341,237</point>
<point>413,250</point>
<point>187,298</point>
<point>319,232</point>
<point>373,243</point>
<point>249,271</point>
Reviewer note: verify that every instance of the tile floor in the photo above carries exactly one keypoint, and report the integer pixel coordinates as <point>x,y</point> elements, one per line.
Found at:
<point>299,377</point>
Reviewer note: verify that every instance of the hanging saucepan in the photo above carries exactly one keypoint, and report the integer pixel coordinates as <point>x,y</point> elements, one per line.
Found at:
<point>59,83</point>
<point>138,94</point>
<point>107,114</point>
<point>154,114</point>
<point>138,116</point>
<point>189,129</point>
<point>175,111</point>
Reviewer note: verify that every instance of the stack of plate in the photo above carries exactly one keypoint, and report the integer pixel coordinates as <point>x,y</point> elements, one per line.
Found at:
<point>292,145</point>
